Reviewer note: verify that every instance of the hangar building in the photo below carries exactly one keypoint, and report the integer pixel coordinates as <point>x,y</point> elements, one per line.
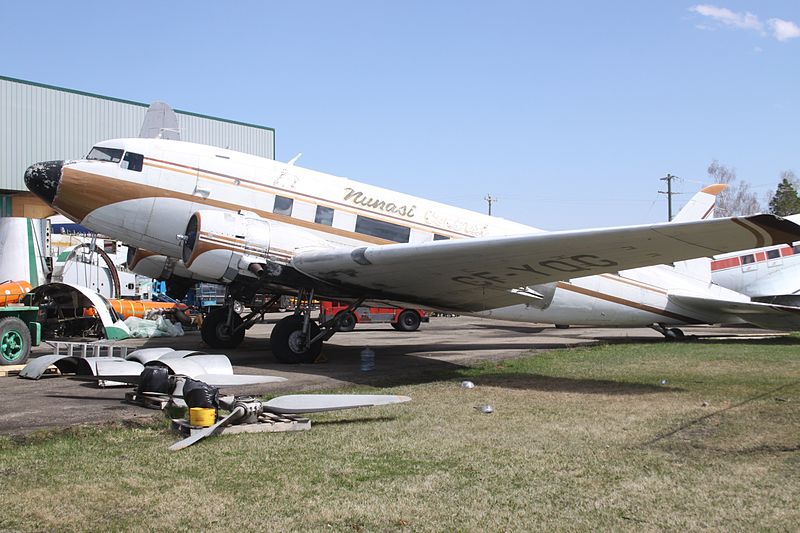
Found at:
<point>40,122</point>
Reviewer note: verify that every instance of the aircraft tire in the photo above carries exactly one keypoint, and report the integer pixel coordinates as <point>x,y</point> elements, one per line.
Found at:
<point>346,321</point>
<point>15,341</point>
<point>215,333</point>
<point>408,320</point>
<point>674,334</point>
<point>285,341</point>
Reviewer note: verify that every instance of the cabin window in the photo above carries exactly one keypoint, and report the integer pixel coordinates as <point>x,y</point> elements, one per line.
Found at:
<point>437,237</point>
<point>102,153</point>
<point>324,215</point>
<point>747,259</point>
<point>132,161</point>
<point>796,248</point>
<point>773,254</point>
<point>283,206</point>
<point>382,230</point>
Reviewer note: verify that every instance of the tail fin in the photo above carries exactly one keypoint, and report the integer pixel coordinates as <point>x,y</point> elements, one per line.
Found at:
<point>700,207</point>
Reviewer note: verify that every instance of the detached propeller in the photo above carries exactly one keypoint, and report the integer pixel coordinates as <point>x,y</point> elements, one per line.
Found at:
<point>247,409</point>
<point>238,412</point>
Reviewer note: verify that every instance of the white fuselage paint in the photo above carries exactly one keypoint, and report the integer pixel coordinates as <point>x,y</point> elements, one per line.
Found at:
<point>211,178</point>
<point>762,272</point>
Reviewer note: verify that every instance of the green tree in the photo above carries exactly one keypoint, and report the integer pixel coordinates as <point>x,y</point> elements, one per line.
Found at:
<point>785,201</point>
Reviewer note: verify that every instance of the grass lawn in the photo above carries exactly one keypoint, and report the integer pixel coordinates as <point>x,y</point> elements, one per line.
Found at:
<point>581,439</point>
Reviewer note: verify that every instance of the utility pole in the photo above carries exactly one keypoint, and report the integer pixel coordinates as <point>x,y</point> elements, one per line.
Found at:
<point>668,178</point>
<point>490,201</point>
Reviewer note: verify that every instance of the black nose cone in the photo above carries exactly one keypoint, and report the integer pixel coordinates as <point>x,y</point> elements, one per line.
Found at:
<point>42,179</point>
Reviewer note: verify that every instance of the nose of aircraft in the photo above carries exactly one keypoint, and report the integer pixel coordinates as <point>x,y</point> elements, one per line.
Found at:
<point>42,179</point>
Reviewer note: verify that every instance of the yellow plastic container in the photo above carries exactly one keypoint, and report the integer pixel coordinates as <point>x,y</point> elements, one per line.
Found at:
<point>202,416</point>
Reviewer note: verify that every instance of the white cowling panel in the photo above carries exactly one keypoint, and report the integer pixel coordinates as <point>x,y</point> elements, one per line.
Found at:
<point>158,266</point>
<point>222,244</point>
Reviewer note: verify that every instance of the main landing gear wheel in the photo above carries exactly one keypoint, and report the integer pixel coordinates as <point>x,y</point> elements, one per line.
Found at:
<point>290,344</point>
<point>15,341</point>
<point>407,321</point>
<point>670,334</point>
<point>674,334</point>
<point>346,321</point>
<point>217,333</point>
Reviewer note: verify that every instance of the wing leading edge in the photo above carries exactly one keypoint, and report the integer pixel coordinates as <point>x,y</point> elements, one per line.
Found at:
<point>472,275</point>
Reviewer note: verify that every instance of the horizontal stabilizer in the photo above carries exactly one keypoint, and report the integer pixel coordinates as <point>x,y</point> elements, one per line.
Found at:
<point>769,316</point>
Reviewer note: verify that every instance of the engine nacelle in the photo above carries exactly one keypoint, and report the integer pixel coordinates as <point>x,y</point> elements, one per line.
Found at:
<point>157,266</point>
<point>222,244</point>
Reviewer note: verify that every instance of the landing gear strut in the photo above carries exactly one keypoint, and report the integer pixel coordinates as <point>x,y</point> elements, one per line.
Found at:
<point>670,334</point>
<point>224,327</point>
<point>297,338</point>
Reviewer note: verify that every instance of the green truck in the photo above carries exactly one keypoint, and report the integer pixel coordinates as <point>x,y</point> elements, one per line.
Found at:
<point>20,329</point>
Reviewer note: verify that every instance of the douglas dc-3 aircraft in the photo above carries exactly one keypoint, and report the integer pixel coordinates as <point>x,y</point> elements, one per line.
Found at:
<point>196,212</point>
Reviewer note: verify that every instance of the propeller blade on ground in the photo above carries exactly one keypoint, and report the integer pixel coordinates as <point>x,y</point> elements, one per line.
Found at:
<point>210,430</point>
<point>231,380</point>
<point>317,403</point>
<point>133,380</point>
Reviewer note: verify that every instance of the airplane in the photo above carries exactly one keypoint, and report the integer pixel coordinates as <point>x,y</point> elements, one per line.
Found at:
<point>195,212</point>
<point>769,275</point>
<point>766,275</point>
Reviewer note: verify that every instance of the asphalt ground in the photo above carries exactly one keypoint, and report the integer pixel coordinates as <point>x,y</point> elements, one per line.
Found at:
<point>437,349</point>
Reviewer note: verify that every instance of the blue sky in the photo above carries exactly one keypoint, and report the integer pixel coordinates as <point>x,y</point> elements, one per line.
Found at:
<point>568,114</point>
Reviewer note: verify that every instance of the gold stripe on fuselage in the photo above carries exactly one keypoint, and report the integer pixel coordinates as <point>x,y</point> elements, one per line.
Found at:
<point>295,195</point>
<point>72,198</point>
<point>637,284</point>
<point>628,303</point>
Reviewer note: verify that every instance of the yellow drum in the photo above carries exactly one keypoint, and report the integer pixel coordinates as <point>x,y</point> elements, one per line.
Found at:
<point>202,416</point>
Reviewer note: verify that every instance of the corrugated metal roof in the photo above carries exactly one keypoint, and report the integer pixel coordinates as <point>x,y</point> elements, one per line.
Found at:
<point>41,122</point>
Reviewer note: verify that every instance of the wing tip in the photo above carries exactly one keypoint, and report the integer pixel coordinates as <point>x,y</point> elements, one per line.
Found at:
<point>779,229</point>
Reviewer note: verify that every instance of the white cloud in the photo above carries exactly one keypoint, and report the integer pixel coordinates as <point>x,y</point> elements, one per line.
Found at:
<point>744,21</point>
<point>783,30</point>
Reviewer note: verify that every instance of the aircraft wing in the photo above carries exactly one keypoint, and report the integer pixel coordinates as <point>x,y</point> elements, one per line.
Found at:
<point>763,315</point>
<point>471,275</point>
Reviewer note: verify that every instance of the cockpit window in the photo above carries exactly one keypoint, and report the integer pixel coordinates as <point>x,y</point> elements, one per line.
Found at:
<point>101,153</point>
<point>132,161</point>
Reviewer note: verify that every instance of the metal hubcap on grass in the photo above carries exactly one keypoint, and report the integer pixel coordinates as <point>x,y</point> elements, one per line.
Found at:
<point>11,345</point>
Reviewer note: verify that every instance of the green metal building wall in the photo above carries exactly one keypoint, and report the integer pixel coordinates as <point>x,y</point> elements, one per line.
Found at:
<point>41,122</point>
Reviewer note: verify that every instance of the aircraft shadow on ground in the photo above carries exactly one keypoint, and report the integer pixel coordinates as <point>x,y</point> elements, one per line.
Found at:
<point>772,341</point>
<point>84,397</point>
<point>705,339</point>
<point>525,330</point>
